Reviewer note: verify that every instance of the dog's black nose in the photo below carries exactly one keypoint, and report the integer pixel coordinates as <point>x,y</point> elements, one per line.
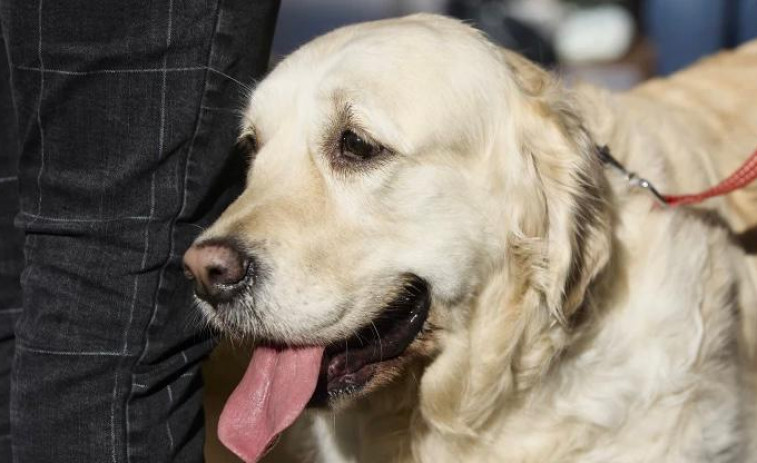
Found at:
<point>217,267</point>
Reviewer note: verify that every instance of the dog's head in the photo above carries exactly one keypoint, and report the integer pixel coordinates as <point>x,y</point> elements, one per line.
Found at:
<point>416,196</point>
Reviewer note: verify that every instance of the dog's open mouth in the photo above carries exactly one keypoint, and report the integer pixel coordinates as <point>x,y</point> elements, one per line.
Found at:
<point>281,381</point>
<point>347,366</point>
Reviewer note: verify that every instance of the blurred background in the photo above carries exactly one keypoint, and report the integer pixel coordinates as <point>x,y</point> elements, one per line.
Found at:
<point>613,43</point>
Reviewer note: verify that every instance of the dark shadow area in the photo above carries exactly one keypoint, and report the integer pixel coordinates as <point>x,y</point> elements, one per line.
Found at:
<point>748,240</point>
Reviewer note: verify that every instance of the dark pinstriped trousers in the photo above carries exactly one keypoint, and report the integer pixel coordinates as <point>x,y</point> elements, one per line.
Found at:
<point>116,122</point>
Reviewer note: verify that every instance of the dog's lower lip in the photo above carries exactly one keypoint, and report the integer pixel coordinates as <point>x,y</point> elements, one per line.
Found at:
<point>348,365</point>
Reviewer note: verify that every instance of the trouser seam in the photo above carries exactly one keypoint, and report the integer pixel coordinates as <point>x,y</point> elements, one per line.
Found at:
<point>172,230</point>
<point>153,199</point>
<point>39,111</point>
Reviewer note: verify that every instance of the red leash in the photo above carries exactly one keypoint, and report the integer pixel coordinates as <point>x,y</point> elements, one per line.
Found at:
<point>743,176</point>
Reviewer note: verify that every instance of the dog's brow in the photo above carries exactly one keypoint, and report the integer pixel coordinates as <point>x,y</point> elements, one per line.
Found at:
<point>248,121</point>
<point>342,109</point>
<point>339,98</point>
<point>341,118</point>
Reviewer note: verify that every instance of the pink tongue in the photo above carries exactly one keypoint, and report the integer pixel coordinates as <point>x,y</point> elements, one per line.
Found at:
<point>274,391</point>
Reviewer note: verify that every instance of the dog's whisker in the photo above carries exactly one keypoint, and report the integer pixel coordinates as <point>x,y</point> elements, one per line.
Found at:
<point>199,227</point>
<point>415,378</point>
<point>356,334</point>
<point>378,337</point>
<point>247,87</point>
<point>346,351</point>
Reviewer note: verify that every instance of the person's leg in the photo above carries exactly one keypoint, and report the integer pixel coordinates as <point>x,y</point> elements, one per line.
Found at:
<point>684,30</point>
<point>11,242</point>
<point>126,121</point>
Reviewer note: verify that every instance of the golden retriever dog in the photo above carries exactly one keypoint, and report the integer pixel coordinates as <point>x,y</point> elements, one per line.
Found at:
<point>434,265</point>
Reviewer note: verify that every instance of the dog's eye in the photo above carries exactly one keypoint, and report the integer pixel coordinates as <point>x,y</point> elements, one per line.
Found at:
<point>246,145</point>
<point>353,146</point>
<point>243,153</point>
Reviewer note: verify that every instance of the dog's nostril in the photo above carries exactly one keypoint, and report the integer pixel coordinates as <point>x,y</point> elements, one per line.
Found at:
<point>227,272</point>
<point>215,266</point>
<point>215,271</point>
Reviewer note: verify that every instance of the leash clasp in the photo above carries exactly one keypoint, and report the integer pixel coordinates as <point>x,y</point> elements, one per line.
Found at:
<point>633,179</point>
<point>639,182</point>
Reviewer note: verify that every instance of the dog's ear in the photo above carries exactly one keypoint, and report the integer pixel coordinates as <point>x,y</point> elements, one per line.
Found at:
<point>558,241</point>
<point>567,187</point>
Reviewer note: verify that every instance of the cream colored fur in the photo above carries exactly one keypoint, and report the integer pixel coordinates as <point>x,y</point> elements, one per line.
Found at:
<point>577,320</point>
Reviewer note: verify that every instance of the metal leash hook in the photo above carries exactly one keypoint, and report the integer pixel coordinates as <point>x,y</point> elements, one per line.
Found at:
<point>640,182</point>
<point>633,179</point>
